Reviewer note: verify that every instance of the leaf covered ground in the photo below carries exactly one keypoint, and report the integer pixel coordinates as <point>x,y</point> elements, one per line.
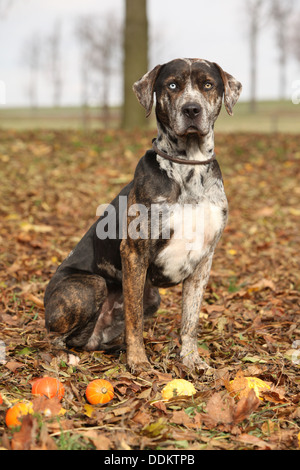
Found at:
<point>51,185</point>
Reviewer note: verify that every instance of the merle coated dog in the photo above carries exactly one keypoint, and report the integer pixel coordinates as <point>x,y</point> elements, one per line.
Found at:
<point>99,295</point>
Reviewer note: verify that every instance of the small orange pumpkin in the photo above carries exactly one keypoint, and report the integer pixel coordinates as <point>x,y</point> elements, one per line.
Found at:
<point>15,412</point>
<point>99,391</point>
<point>49,387</point>
<point>1,400</point>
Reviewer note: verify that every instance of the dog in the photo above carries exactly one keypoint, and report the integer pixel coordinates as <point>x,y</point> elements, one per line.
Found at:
<point>100,294</point>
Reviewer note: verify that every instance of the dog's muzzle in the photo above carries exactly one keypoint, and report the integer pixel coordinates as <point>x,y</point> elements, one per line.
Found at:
<point>192,120</point>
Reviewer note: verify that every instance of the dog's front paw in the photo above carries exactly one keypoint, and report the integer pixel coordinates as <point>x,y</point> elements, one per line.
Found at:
<point>138,362</point>
<point>137,367</point>
<point>193,361</point>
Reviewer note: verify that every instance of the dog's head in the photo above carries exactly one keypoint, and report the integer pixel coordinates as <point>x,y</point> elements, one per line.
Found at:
<point>188,94</point>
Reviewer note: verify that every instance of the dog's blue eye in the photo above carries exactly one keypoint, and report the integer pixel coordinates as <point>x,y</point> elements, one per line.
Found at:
<point>172,86</point>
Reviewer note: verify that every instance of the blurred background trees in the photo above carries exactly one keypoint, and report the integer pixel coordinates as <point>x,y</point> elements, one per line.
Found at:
<point>135,60</point>
<point>100,43</point>
<point>53,65</point>
<point>281,13</point>
<point>257,17</point>
<point>31,58</point>
<point>276,14</point>
<point>113,51</point>
<point>109,48</point>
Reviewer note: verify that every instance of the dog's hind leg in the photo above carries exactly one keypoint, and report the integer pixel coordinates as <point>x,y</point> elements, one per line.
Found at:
<point>151,300</point>
<point>72,306</point>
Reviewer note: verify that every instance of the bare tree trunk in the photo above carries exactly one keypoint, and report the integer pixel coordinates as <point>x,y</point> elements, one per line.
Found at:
<point>100,40</point>
<point>82,34</point>
<point>84,75</point>
<point>31,58</point>
<point>53,65</point>
<point>294,39</point>
<point>135,60</point>
<point>282,61</point>
<point>253,65</point>
<point>104,101</point>
<point>257,14</point>
<point>281,13</point>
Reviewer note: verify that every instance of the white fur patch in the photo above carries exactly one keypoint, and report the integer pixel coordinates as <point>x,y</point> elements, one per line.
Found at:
<point>194,233</point>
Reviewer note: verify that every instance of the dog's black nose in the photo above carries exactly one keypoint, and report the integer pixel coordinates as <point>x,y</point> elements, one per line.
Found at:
<point>191,110</point>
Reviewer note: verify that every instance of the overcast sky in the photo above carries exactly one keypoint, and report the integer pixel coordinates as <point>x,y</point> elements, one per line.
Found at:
<point>214,30</point>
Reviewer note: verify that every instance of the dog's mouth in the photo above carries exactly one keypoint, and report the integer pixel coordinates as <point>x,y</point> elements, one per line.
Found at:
<point>194,130</point>
<point>184,127</point>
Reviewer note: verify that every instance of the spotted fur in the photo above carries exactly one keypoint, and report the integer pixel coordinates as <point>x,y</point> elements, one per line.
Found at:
<point>102,291</point>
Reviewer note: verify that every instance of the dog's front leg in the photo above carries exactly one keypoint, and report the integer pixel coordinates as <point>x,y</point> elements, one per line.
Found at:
<point>192,295</point>
<point>134,274</point>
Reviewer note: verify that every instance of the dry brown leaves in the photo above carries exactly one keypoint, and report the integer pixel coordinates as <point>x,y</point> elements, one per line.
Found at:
<point>51,185</point>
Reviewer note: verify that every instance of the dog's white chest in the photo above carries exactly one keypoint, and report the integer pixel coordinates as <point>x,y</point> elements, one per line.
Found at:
<point>194,229</point>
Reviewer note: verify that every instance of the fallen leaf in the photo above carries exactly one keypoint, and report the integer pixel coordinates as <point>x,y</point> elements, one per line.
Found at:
<point>222,409</point>
<point>155,429</point>
<point>23,439</point>
<point>219,408</point>
<point>160,405</point>
<point>254,359</point>
<point>73,360</point>
<point>294,211</point>
<point>35,300</point>
<point>245,406</point>
<point>45,441</point>
<point>98,438</point>
<point>266,211</point>
<point>269,427</point>
<point>89,410</point>
<point>255,441</point>
<point>263,284</point>
<point>142,418</point>
<point>124,410</point>
<point>182,418</point>
<point>48,406</point>
<point>27,227</point>
<point>274,396</point>
<point>14,365</point>
<point>241,385</point>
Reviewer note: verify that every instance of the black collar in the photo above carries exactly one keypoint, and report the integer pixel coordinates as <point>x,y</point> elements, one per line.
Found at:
<point>181,160</point>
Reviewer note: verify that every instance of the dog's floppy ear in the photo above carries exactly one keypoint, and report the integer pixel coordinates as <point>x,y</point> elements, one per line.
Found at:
<point>144,89</point>
<point>232,89</point>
